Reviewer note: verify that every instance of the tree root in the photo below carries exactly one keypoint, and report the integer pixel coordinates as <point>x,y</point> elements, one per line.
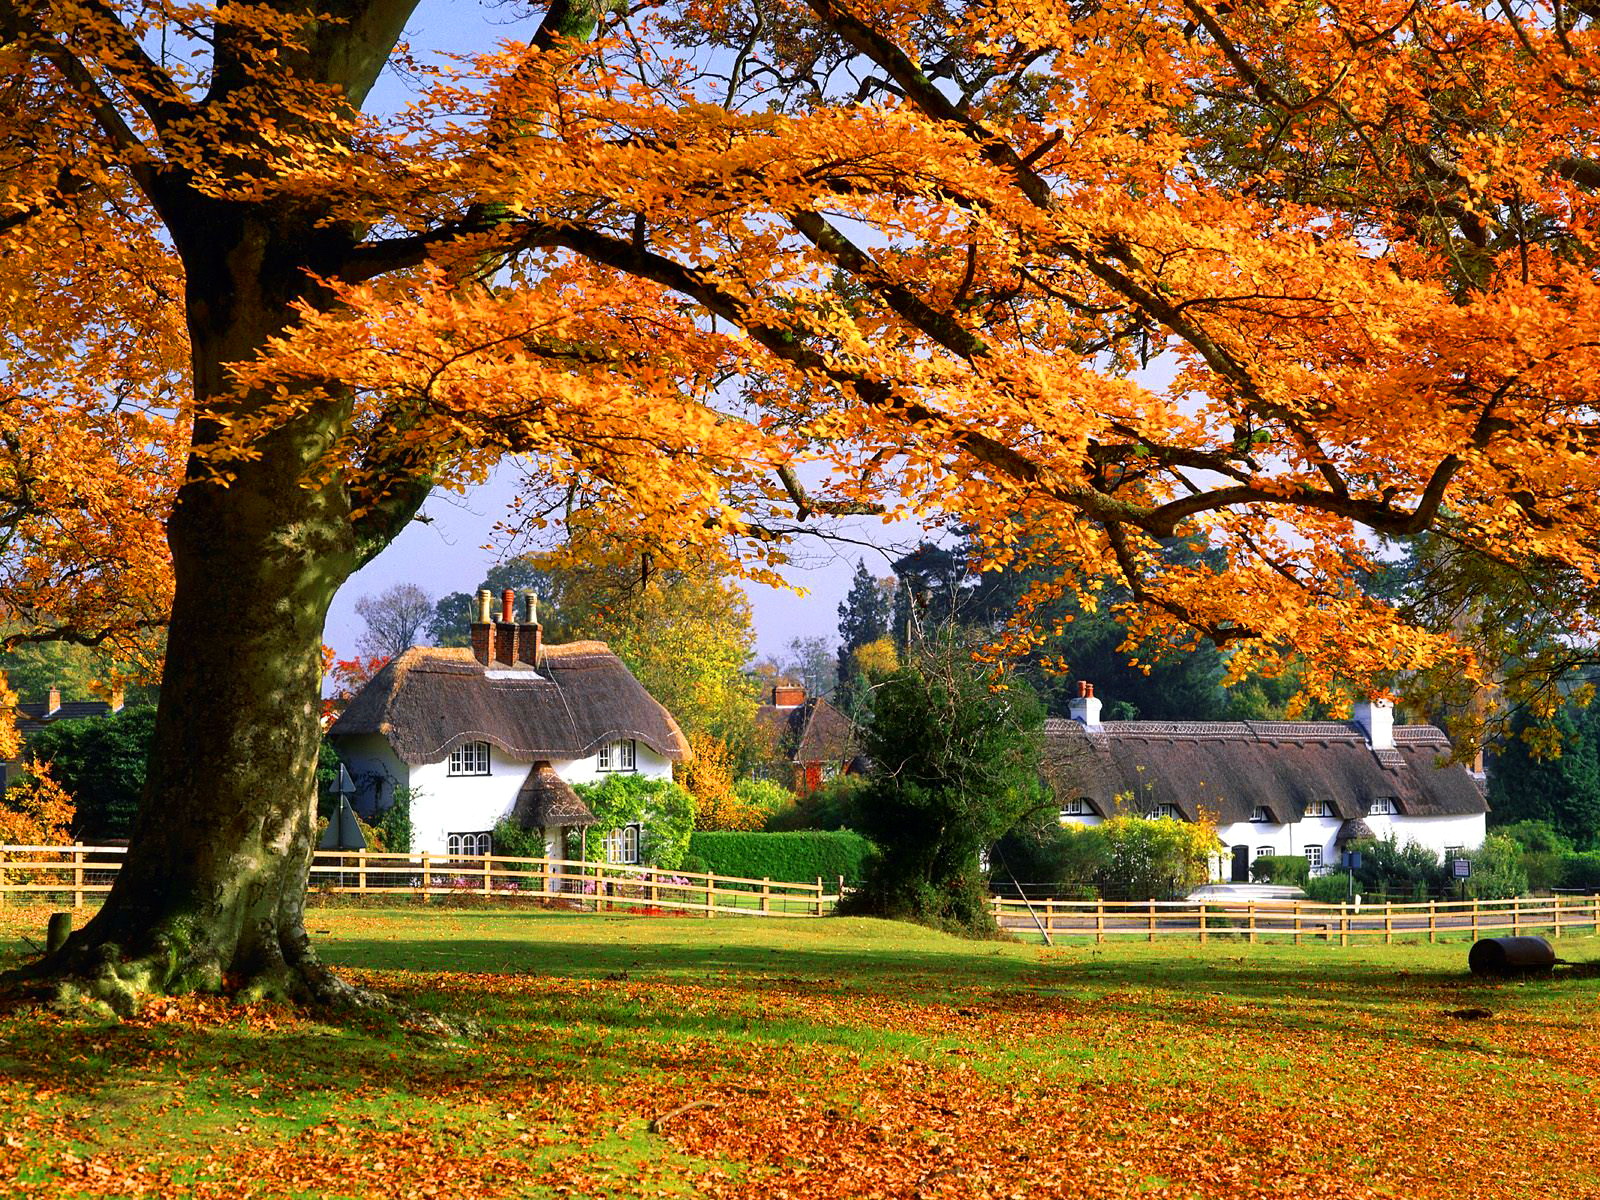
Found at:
<point>99,981</point>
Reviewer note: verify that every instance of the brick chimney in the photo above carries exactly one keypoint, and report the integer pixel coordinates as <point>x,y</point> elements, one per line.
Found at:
<point>788,696</point>
<point>530,634</point>
<point>505,630</point>
<point>483,629</point>
<point>1376,718</point>
<point>52,701</point>
<point>117,699</point>
<point>1085,709</point>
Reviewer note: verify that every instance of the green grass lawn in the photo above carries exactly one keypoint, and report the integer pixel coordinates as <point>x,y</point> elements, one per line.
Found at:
<point>678,1056</point>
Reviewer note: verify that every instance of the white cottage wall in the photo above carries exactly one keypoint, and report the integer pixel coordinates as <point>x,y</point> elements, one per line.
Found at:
<point>443,804</point>
<point>375,769</point>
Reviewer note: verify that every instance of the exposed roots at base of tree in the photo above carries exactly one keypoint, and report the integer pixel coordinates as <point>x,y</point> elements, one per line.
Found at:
<point>101,980</point>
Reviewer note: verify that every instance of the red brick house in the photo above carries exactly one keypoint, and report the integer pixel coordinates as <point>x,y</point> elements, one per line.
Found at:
<point>807,740</point>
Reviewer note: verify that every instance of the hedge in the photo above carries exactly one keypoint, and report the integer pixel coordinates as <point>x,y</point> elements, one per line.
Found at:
<point>800,857</point>
<point>1289,869</point>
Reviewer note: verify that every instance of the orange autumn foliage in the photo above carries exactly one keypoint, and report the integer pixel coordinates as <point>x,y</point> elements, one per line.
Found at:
<point>709,777</point>
<point>38,811</point>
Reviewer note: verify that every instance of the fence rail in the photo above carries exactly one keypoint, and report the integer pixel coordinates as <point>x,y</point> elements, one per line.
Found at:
<point>84,871</point>
<point>1295,920</point>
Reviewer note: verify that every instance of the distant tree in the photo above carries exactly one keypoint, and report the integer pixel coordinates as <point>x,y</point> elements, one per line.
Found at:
<point>100,761</point>
<point>864,616</point>
<point>80,672</point>
<point>450,623</point>
<point>929,584</point>
<point>395,620</point>
<point>955,766</point>
<point>1527,782</point>
<point>813,663</point>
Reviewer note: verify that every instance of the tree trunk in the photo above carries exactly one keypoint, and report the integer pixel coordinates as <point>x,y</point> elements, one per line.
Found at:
<point>211,894</point>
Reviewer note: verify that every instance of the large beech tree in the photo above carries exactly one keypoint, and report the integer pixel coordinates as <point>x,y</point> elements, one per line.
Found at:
<point>1284,276</point>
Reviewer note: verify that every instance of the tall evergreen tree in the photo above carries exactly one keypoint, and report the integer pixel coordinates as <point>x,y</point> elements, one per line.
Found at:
<point>863,618</point>
<point>1563,790</point>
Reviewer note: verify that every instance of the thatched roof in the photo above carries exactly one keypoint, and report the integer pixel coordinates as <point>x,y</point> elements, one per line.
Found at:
<point>428,701</point>
<point>1229,768</point>
<point>814,731</point>
<point>547,799</point>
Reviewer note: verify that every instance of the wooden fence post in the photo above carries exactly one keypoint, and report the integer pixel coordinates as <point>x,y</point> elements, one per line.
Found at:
<point>1296,906</point>
<point>488,879</point>
<point>1344,924</point>
<point>1100,919</point>
<point>77,875</point>
<point>1555,903</point>
<point>427,874</point>
<point>1516,916</point>
<point>1388,922</point>
<point>819,895</point>
<point>1151,936</point>
<point>766,894</point>
<point>1433,919</point>
<point>1202,924</point>
<point>1250,921</point>
<point>1474,918</point>
<point>361,873</point>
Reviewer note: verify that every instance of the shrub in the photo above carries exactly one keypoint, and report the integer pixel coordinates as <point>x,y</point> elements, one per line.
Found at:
<point>763,797</point>
<point>1155,859</point>
<point>832,806</point>
<point>1579,871</point>
<point>394,823</point>
<point>1497,872</point>
<point>789,857</point>
<point>1333,888</point>
<point>1292,870</point>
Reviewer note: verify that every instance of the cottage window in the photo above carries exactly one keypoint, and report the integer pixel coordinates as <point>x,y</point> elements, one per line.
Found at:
<point>1259,813</point>
<point>1265,851</point>
<point>622,845</point>
<point>1314,858</point>
<point>1164,811</point>
<point>616,756</point>
<point>1317,808</point>
<point>1381,807</point>
<point>468,845</point>
<point>1074,808</point>
<point>472,758</point>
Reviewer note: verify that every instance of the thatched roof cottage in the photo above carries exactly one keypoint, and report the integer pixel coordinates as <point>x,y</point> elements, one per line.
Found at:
<point>504,728</point>
<point>1272,787</point>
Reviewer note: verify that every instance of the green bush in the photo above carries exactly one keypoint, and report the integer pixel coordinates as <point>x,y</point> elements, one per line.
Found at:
<point>394,823</point>
<point>832,806</point>
<point>1580,871</point>
<point>1290,870</point>
<point>1328,889</point>
<point>764,796</point>
<point>788,857</point>
<point>1497,872</point>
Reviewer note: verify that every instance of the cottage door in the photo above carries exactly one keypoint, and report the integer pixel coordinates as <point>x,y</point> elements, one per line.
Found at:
<point>1241,864</point>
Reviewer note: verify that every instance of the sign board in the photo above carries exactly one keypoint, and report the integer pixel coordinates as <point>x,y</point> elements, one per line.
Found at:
<point>1352,860</point>
<point>1461,868</point>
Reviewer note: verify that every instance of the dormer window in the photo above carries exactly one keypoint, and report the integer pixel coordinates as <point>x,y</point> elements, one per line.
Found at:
<point>1260,813</point>
<point>616,756</point>
<point>1381,807</point>
<point>1164,812</point>
<point>470,758</point>
<point>1074,808</point>
<point>1317,808</point>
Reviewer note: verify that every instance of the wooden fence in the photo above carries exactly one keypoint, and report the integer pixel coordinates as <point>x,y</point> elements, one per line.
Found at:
<point>87,871</point>
<point>1296,920</point>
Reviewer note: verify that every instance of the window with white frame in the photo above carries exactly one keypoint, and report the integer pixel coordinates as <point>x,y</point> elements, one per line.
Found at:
<point>1265,851</point>
<point>470,758</point>
<point>1383,806</point>
<point>616,756</point>
<point>1166,811</point>
<point>1314,857</point>
<point>1074,808</point>
<point>1260,814</point>
<point>1317,808</point>
<point>468,845</point>
<point>622,845</point>
<point>1453,852</point>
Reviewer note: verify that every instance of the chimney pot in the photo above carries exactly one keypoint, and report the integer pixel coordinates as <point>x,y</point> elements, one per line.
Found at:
<point>483,629</point>
<point>508,606</point>
<point>530,606</point>
<point>1376,718</point>
<point>788,696</point>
